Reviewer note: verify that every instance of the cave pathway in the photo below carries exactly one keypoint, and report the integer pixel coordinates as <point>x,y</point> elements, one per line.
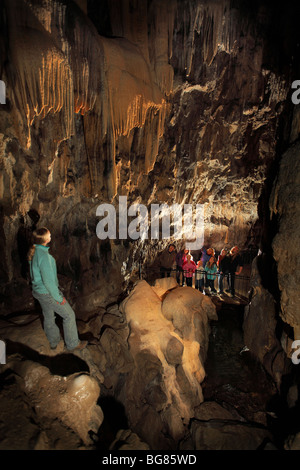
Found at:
<point>234,379</point>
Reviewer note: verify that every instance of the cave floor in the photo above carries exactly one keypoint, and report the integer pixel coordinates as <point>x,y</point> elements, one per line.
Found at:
<point>231,372</point>
<point>233,380</point>
<point>236,380</point>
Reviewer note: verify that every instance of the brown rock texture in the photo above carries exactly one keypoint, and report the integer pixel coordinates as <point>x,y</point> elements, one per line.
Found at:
<point>149,359</point>
<point>284,205</point>
<point>164,102</point>
<point>168,342</point>
<point>58,402</point>
<point>260,324</point>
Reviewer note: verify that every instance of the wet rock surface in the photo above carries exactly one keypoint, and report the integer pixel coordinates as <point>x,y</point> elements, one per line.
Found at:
<point>261,331</point>
<point>164,386</point>
<point>238,389</point>
<point>132,385</point>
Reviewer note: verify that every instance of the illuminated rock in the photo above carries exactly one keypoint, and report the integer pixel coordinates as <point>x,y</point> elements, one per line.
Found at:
<point>168,365</point>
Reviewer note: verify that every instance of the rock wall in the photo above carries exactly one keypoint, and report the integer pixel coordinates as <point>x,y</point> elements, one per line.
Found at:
<point>261,327</point>
<point>284,205</point>
<point>166,102</point>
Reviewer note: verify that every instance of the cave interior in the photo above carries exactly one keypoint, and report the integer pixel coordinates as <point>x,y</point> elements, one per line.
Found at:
<point>119,107</point>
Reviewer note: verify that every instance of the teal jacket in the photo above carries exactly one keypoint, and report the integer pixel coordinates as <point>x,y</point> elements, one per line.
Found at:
<point>211,271</point>
<point>43,273</point>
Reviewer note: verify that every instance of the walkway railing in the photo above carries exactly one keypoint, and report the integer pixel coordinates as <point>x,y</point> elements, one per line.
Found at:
<point>200,280</point>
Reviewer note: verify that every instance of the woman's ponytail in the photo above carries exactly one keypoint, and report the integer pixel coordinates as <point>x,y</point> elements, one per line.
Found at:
<point>39,237</point>
<point>30,253</point>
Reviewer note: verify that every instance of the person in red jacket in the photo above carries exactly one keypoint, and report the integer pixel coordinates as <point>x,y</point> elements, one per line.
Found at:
<point>189,267</point>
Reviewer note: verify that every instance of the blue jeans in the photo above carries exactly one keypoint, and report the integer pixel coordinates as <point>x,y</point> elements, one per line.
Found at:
<point>199,284</point>
<point>49,308</point>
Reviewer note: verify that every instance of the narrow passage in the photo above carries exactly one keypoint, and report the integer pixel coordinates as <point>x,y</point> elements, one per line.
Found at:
<point>234,379</point>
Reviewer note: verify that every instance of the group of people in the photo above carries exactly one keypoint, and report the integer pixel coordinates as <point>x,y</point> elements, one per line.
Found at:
<point>45,287</point>
<point>226,265</point>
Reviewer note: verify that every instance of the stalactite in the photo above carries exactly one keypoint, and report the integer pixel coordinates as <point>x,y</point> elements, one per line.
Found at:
<point>42,80</point>
<point>67,71</point>
<point>205,19</point>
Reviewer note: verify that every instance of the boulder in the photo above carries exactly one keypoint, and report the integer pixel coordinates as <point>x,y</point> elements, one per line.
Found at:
<point>71,400</point>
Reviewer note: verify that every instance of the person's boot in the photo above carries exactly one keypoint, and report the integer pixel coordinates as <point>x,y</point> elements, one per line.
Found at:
<point>81,345</point>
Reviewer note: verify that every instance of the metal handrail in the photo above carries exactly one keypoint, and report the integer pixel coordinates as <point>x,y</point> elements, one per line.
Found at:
<point>242,281</point>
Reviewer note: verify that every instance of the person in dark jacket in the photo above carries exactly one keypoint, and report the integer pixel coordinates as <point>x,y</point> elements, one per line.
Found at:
<point>45,290</point>
<point>167,260</point>
<point>235,267</point>
<point>206,253</point>
<point>223,264</point>
<point>180,259</point>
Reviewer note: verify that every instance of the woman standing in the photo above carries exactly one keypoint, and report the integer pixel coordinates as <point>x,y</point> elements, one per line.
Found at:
<point>200,277</point>
<point>211,269</point>
<point>45,289</point>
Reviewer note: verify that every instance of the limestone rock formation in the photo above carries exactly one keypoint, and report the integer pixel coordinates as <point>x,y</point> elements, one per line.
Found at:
<point>165,342</point>
<point>260,325</point>
<point>148,353</point>
<point>165,102</point>
<point>72,400</point>
<point>284,205</point>
<point>218,429</point>
<point>127,440</point>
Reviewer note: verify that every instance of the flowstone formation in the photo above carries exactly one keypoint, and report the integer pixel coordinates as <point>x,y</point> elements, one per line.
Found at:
<point>74,97</point>
<point>166,337</point>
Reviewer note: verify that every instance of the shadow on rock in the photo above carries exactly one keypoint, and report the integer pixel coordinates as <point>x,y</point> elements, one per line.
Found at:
<point>114,420</point>
<point>62,364</point>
